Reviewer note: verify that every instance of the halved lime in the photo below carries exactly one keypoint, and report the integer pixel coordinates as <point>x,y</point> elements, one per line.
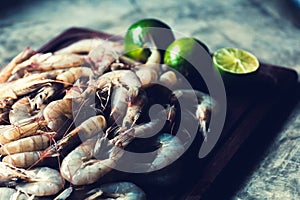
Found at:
<point>235,61</point>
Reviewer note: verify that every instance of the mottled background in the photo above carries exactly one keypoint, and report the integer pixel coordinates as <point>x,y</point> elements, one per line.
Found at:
<point>267,28</point>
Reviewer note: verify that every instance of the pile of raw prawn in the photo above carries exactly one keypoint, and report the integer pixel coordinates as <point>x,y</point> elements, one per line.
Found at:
<point>82,105</point>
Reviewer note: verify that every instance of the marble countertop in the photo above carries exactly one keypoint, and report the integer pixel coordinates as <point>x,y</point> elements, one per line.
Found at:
<point>266,28</point>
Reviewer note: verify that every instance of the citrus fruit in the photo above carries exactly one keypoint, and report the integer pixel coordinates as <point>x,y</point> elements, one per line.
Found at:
<point>140,34</point>
<point>235,61</point>
<point>180,52</point>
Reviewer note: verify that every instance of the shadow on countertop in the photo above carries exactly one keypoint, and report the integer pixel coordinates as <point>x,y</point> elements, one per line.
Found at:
<point>291,9</point>
<point>6,5</point>
<point>9,7</point>
<point>285,9</point>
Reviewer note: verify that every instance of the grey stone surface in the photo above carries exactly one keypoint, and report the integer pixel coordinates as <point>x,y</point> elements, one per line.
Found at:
<point>264,27</point>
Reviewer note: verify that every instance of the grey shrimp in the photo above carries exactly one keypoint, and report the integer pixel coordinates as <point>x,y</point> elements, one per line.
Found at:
<point>123,87</point>
<point>119,190</point>
<point>27,144</point>
<point>13,194</point>
<point>21,87</point>
<point>10,173</point>
<point>49,61</point>
<point>171,148</point>
<point>204,107</point>
<point>133,111</point>
<point>102,56</point>
<point>57,112</point>
<point>42,181</point>
<point>23,159</point>
<point>22,111</point>
<point>85,46</point>
<point>71,75</point>
<point>6,72</point>
<point>9,133</point>
<point>87,129</point>
<point>80,168</point>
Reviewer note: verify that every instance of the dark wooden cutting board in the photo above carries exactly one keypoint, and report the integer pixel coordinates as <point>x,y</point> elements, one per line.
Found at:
<point>271,93</point>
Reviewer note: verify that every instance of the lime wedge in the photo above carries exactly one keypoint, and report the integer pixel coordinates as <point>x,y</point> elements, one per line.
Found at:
<point>235,61</point>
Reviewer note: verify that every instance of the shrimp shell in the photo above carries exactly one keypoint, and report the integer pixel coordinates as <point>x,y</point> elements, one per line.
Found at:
<point>6,72</point>
<point>31,143</point>
<point>71,75</point>
<point>23,159</point>
<point>12,194</point>
<point>133,111</point>
<point>22,87</point>
<point>9,172</point>
<point>119,98</point>
<point>171,149</point>
<point>79,168</point>
<point>43,181</point>
<point>87,45</point>
<point>126,78</point>
<point>11,132</point>
<point>49,61</point>
<point>168,79</point>
<point>85,130</point>
<point>119,190</point>
<point>57,112</point>
<point>148,73</point>
<point>205,105</point>
<point>23,112</point>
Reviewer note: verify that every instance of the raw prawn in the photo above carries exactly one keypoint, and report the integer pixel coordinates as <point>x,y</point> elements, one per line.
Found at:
<point>41,75</point>
<point>21,87</point>
<point>87,129</point>
<point>104,55</point>
<point>57,113</point>
<point>45,95</point>
<point>119,190</point>
<point>125,78</point>
<point>9,173</point>
<point>6,72</point>
<point>71,75</point>
<point>168,79</point>
<point>171,148</point>
<point>123,87</point>
<point>142,131</point>
<point>12,194</point>
<point>10,133</point>
<point>23,159</point>
<point>134,110</point>
<point>85,46</point>
<point>204,106</point>
<point>148,73</point>
<point>49,61</point>
<point>79,167</point>
<point>119,102</point>
<point>42,181</point>
<point>31,143</point>
<point>22,111</point>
